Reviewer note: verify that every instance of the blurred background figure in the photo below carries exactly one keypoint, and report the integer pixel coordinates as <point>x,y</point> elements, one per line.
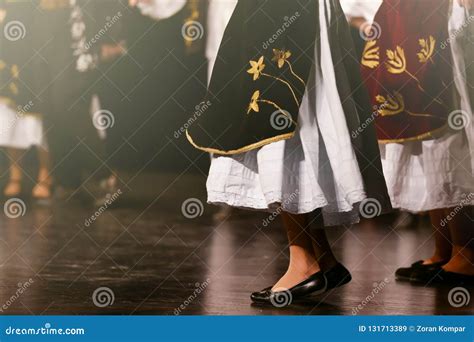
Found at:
<point>23,74</point>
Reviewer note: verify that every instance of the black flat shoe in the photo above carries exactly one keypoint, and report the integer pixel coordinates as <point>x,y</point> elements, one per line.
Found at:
<point>316,284</point>
<point>418,272</point>
<point>337,276</point>
<point>451,278</point>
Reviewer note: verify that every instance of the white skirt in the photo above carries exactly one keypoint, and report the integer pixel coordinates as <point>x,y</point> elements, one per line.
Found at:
<point>315,169</point>
<point>435,174</point>
<point>20,131</point>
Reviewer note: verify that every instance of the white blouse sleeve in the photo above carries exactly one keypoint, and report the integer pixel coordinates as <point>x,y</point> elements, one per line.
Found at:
<point>366,9</point>
<point>161,9</point>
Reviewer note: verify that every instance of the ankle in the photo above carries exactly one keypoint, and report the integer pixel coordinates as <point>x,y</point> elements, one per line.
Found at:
<point>437,258</point>
<point>327,262</point>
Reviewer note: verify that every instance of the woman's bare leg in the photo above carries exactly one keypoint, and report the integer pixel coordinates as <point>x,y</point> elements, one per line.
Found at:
<point>303,262</point>
<point>42,190</point>
<point>442,234</point>
<point>462,259</point>
<point>322,250</point>
<point>13,188</point>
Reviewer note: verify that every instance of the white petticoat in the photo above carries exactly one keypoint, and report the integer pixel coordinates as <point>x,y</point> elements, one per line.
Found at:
<point>315,169</point>
<point>435,174</point>
<point>20,131</point>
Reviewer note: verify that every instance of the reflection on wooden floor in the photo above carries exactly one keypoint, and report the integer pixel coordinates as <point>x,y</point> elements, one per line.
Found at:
<point>143,256</point>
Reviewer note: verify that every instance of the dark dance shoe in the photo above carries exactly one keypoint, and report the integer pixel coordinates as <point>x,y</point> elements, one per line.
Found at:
<point>451,278</point>
<point>337,276</point>
<point>418,272</point>
<point>316,284</point>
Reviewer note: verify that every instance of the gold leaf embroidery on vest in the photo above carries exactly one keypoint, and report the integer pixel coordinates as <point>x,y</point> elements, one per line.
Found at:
<point>427,49</point>
<point>371,55</point>
<point>397,62</point>
<point>391,105</point>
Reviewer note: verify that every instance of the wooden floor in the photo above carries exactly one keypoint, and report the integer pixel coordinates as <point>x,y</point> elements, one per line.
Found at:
<point>153,260</point>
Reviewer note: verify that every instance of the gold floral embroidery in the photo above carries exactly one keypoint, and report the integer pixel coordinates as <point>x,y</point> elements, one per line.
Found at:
<point>427,49</point>
<point>254,102</point>
<point>282,58</point>
<point>254,105</point>
<point>256,70</point>
<point>371,55</point>
<point>2,65</point>
<point>397,62</point>
<point>391,105</point>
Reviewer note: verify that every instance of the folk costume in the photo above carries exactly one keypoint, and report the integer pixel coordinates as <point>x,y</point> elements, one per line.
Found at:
<point>284,100</point>
<point>23,76</point>
<point>418,92</point>
<point>69,27</point>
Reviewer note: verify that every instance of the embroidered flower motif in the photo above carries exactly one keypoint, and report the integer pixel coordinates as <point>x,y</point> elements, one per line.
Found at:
<point>397,62</point>
<point>427,49</point>
<point>281,57</point>
<point>371,55</point>
<point>253,106</point>
<point>391,105</point>
<point>257,68</point>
